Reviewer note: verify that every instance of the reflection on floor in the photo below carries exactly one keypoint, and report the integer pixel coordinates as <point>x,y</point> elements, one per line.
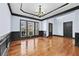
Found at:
<point>42,46</point>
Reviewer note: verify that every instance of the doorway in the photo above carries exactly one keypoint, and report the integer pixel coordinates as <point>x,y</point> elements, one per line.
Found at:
<point>50,29</point>
<point>29,28</point>
<point>67,29</point>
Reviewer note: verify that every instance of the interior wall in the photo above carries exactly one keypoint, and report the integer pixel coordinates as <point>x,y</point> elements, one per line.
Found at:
<point>45,25</point>
<point>56,21</point>
<point>15,23</point>
<point>76,22</point>
<point>59,20</point>
<point>40,25</point>
<point>5,19</point>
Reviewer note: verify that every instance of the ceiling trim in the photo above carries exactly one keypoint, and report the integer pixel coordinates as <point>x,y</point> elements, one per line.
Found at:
<point>44,14</point>
<point>69,10</point>
<point>9,8</point>
<point>26,16</point>
<point>21,15</point>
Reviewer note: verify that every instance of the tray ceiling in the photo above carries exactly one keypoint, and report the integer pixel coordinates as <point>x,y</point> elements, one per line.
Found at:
<point>49,9</point>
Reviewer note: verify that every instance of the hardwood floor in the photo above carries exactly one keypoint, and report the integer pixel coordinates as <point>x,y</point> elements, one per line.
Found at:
<point>42,46</point>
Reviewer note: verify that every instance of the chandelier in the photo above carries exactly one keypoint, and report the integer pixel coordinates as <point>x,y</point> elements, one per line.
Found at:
<point>38,13</point>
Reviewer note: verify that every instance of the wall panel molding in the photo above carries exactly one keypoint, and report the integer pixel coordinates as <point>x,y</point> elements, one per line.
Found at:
<point>4,44</point>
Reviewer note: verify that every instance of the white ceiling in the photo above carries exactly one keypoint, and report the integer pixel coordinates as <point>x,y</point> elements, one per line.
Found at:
<point>33,8</point>
<point>46,7</point>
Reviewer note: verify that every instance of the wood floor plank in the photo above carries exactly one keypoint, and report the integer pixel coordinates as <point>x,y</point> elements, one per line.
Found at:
<point>42,46</point>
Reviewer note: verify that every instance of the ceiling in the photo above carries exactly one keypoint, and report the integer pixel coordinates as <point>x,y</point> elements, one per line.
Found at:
<point>49,9</point>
